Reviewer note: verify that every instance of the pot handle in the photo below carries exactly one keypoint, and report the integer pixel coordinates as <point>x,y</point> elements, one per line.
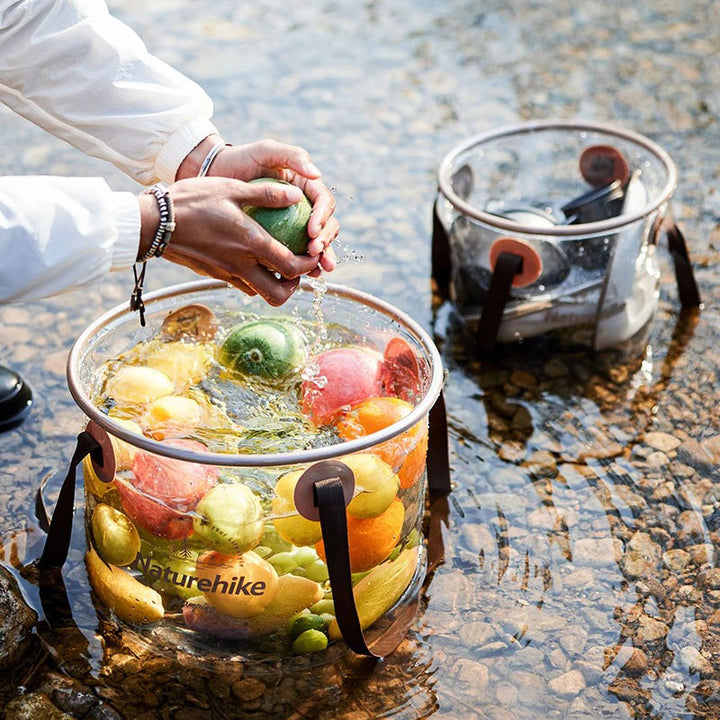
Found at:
<point>329,484</point>
<point>330,500</point>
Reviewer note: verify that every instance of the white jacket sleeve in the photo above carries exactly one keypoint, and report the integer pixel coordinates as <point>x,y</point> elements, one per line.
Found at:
<point>57,233</point>
<point>84,76</point>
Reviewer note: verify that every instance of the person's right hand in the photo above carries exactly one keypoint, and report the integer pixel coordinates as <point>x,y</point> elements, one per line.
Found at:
<point>214,237</point>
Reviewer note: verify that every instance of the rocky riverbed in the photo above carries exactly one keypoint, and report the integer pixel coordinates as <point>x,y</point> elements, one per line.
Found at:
<point>579,574</point>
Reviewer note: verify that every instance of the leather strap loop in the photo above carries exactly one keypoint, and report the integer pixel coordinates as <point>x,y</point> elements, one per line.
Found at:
<point>507,266</point>
<point>438,456</point>
<point>440,256</point>
<point>333,521</point>
<point>684,276</point>
<point>57,542</point>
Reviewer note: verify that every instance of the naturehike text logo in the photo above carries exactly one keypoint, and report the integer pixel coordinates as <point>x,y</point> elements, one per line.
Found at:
<point>235,585</point>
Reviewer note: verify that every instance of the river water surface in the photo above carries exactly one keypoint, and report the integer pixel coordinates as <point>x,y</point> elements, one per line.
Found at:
<point>579,573</point>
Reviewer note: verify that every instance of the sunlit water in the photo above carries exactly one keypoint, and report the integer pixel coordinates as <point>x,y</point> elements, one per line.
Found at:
<point>576,575</point>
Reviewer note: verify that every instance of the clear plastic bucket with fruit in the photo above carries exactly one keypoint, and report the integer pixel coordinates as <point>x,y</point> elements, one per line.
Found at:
<point>200,536</point>
<point>576,207</point>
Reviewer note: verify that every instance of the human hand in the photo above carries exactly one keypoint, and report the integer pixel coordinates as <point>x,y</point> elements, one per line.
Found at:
<point>268,158</point>
<point>214,237</point>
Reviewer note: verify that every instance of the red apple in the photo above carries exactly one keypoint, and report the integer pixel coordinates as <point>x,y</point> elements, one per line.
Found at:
<point>343,377</point>
<point>160,492</point>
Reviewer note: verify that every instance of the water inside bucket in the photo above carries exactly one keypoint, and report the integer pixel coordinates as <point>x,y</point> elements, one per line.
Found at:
<point>216,409</point>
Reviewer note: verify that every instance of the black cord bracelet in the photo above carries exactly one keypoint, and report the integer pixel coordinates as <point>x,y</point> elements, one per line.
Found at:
<point>167,222</point>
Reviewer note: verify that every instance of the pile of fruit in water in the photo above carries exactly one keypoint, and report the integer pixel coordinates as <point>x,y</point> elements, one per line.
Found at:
<point>223,550</point>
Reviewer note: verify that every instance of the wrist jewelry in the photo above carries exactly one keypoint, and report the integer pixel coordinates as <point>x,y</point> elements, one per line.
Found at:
<point>157,246</point>
<point>207,162</point>
<point>167,222</point>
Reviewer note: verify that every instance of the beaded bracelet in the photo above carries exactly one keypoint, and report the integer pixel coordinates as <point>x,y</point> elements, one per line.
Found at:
<point>207,162</point>
<point>167,222</point>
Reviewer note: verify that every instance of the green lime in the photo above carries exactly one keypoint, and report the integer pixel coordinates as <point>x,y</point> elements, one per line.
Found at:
<point>267,348</point>
<point>307,622</point>
<point>310,641</point>
<point>322,607</point>
<point>288,225</point>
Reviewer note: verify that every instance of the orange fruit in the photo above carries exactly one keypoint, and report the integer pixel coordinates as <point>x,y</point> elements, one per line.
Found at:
<point>407,452</point>
<point>371,540</point>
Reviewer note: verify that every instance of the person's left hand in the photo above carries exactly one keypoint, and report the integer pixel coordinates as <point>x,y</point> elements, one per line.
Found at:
<point>268,158</point>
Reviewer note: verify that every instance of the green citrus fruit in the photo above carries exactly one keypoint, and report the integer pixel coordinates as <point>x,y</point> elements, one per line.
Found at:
<point>288,225</point>
<point>267,348</point>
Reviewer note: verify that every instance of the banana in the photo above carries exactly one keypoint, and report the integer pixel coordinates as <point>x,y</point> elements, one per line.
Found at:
<point>380,589</point>
<point>129,599</point>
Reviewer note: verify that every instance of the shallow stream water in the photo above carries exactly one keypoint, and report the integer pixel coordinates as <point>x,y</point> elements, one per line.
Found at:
<point>574,566</point>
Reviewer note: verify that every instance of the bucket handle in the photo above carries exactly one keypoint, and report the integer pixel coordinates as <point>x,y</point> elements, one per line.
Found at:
<point>59,528</point>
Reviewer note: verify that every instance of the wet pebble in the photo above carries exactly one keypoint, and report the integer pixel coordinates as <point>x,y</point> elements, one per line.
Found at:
<point>636,663</point>
<point>650,630</point>
<point>596,552</point>
<point>34,706</point>
<point>710,578</point>
<point>17,621</point>
<point>248,689</point>
<point>696,662</point>
<point>472,676</point>
<point>567,685</point>
<point>641,557</point>
<point>77,700</point>
<point>676,560</point>
<point>665,442</point>
<point>573,640</point>
<point>103,712</point>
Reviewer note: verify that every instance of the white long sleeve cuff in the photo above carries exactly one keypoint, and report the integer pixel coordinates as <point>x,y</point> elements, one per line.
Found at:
<point>84,76</point>
<point>58,233</point>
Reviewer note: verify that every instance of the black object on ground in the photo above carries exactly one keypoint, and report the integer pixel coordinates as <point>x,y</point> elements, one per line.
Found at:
<point>15,399</point>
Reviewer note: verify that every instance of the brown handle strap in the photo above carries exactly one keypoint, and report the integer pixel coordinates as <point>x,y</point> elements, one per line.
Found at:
<point>57,542</point>
<point>330,501</point>
<point>440,256</point>
<point>684,276</point>
<point>507,266</point>
<point>438,457</point>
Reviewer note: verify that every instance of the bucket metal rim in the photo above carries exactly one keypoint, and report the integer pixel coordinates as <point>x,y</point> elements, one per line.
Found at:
<point>583,229</point>
<point>336,451</point>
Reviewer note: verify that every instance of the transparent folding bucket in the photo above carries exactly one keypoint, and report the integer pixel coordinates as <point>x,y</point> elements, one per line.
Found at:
<point>201,543</point>
<point>513,188</point>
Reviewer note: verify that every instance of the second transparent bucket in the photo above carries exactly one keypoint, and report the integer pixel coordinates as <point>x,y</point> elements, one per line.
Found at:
<point>581,203</point>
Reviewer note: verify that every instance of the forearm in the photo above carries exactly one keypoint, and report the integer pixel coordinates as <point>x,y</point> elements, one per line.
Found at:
<point>57,233</point>
<point>87,78</point>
